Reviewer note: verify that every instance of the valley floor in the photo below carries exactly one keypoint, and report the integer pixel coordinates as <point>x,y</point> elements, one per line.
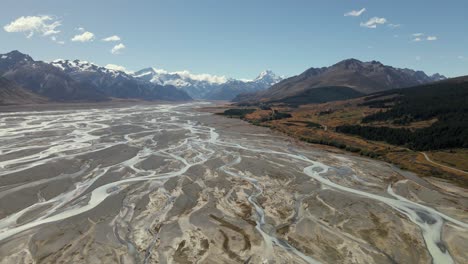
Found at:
<point>316,124</point>
<point>167,183</point>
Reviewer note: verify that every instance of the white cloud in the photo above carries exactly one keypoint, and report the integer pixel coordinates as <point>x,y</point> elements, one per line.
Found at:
<point>117,48</point>
<point>111,38</point>
<point>418,34</point>
<point>116,67</point>
<point>85,37</point>
<point>80,29</point>
<point>431,38</point>
<point>45,25</point>
<point>187,75</point>
<point>417,39</point>
<point>202,77</point>
<point>373,22</point>
<point>355,13</point>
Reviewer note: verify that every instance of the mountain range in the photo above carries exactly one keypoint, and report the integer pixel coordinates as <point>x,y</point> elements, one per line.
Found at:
<point>205,86</point>
<point>343,80</point>
<point>114,83</point>
<point>43,79</point>
<point>24,80</point>
<point>63,81</point>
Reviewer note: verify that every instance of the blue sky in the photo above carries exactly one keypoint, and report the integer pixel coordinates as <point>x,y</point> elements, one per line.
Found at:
<point>240,38</point>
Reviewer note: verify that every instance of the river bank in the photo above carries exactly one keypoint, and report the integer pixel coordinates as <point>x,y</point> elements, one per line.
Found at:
<point>169,183</point>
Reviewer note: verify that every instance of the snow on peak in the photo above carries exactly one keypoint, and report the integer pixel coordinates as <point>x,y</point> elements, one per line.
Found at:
<point>186,78</point>
<point>75,64</point>
<point>207,85</point>
<point>268,77</point>
<point>264,74</point>
<point>86,66</point>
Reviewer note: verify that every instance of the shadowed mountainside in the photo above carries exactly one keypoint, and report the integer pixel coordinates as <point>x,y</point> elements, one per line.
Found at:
<point>12,94</point>
<point>65,81</point>
<point>363,77</point>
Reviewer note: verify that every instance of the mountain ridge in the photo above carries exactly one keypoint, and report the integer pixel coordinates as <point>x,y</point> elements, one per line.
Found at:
<point>364,77</point>
<point>67,80</point>
<point>115,83</point>
<point>206,86</point>
<point>44,79</point>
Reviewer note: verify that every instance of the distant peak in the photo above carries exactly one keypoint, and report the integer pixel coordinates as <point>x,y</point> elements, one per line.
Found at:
<point>16,53</point>
<point>438,77</point>
<point>147,69</point>
<point>72,62</point>
<point>268,77</point>
<point>266,74</point>
<point>376,63</point>
<point>16,56</point>
<point>351,60</point>
<point>356,64</point>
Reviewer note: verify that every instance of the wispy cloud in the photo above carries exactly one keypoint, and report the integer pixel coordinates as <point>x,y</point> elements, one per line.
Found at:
<point>54,39</point>
<point>355,13</point>
<point>84,37</point>
<point>44,25</point>
<point>117,49</point>
<point>417,37</point>
<point>394,25</point>
<point>111,38</point>
<point>373,22</point>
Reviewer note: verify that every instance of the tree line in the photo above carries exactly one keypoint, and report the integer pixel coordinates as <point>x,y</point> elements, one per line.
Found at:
<point>445,101</point>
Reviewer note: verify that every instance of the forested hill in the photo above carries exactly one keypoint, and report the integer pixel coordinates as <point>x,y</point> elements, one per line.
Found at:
<point>445,101</point>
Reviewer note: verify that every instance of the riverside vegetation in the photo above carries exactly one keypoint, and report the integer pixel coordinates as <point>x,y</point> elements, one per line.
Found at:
<point>393,126</point>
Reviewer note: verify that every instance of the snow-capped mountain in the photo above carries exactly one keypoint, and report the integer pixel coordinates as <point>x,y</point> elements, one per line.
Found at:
<point>268,78</point>
<point>206,86</point>
<point>79,67</point>
<point>44,80</point>
<point>115,83</point>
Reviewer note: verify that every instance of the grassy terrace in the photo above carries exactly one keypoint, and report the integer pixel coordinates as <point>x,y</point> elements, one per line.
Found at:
<point>316,124</point>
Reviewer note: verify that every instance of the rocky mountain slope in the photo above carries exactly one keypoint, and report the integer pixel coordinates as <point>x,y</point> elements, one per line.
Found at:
<point>44,79</point>
<point>363,77</point>
<point>113,83</point>
<point>64,80</point>
<point>12,94</point>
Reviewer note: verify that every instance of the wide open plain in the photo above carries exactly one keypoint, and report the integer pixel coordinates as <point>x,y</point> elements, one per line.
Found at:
<point>158,183</point>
